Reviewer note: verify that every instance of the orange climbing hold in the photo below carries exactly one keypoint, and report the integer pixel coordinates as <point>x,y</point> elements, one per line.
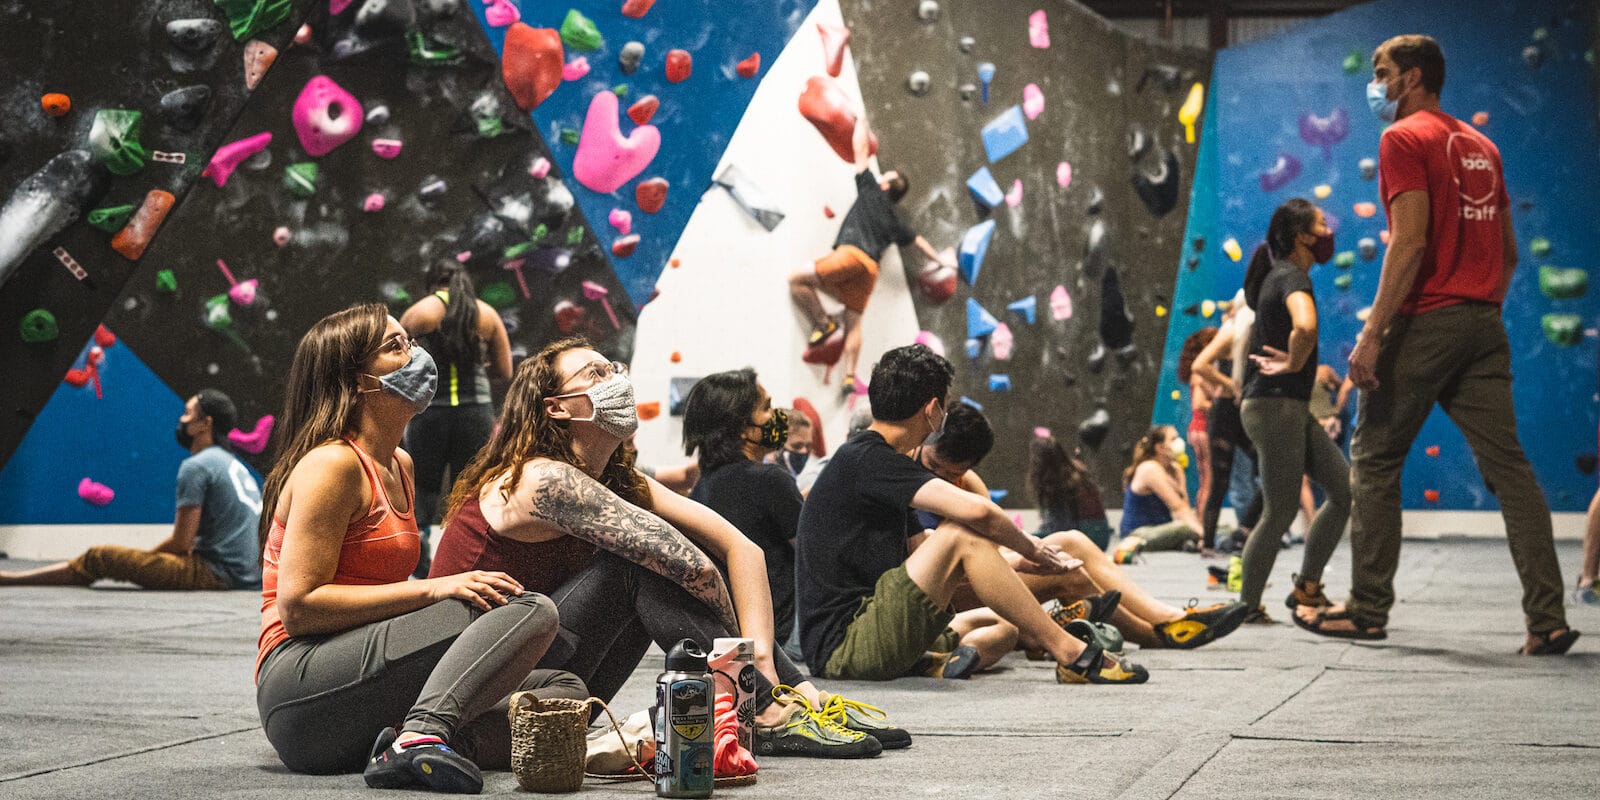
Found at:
<point>258,58</point>
<point>531,63</point>
<point>56,104</point>
<point>1365,210</point>
<point>676,357</point>
<point>750,66</point>
<point>1431,495</point>
<point>1432,451</point>
<point>136,235</point>
<point>676,263</point>
<point>636,8</point>
<point>650,410</point>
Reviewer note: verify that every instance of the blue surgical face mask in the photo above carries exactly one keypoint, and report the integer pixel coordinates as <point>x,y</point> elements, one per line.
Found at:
<point>1378,100</point>
<point>415,382</point>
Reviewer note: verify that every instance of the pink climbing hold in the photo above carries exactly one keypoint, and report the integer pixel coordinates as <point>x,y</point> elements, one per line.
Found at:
<point>594,291</point>
<point>834,38</point>
<point>1001,342</point>
<point>326,116</point>
<point>229,156</point>
<point>1041,432</point>
<point>1014,197</point>
<point>1039,29</point>
<point>1063,174</point>
<point>256,440</point>
<point>280,236</point>
<point>500,13</point>
<point>1032,101</point>
<point>540,167</point>
<point>243,292</point>
<point>606,159</point>
<point>1060,304</point>
<point>621,220</point>
<point>929,340</point>
<point>95,494</point>
<point>386,148</point>
<point>575,69</point>
<point>337,7</point>
<point>374,202</point>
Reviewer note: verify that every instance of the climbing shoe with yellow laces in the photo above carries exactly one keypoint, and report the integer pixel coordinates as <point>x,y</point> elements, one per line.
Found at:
<point>864,718</point>
<point>804,731</point>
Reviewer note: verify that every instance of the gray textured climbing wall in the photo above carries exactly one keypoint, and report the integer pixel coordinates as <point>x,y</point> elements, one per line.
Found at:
<point>1093,202</point>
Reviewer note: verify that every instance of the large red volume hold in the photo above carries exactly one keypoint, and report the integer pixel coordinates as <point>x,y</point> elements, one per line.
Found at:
<point>531,64</point>
<point>827,107</point>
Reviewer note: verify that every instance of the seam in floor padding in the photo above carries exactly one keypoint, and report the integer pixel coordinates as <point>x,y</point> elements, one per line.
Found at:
<point>124,754</point>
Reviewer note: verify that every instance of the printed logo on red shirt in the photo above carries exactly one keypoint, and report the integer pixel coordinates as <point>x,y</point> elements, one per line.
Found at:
<point>1477,181</point>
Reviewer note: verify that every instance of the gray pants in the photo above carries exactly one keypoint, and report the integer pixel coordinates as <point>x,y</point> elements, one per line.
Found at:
<point>447,670</point>
<point>1458,357</point>
<point>1289,444</point>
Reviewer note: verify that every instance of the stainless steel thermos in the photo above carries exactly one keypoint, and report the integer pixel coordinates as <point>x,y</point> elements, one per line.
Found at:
<point>683,724</point>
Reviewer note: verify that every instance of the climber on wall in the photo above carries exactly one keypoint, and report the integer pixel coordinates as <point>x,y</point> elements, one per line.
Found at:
<point>849,273</point>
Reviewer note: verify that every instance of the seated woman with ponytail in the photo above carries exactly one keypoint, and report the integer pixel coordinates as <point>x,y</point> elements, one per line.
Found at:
<point>349,646</point>
<point>1156,514</point>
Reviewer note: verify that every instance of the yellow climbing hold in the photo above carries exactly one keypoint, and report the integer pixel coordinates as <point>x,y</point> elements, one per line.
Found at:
<point>1207,308</point>
<point>1190,112</point>
<point>1231,247</point>
<point>1177,395</point>
<point>1322,191</point>
<point>1161,311</point>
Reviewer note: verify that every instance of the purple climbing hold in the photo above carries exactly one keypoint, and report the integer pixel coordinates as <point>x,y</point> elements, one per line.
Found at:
<point>1325,132</point>
<point>1282,171</point>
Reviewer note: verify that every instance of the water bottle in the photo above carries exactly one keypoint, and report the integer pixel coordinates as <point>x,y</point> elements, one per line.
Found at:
<point>733,665</point>
<point>1236,574</point>
<point>684,726</point>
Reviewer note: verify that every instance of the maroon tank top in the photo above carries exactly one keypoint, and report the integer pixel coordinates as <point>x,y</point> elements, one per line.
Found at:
<point>469,543</point>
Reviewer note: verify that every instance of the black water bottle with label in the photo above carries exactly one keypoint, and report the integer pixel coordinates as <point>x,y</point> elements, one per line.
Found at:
<point>683,724</point>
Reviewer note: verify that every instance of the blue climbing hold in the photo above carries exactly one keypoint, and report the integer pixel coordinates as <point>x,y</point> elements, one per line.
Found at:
<point>999,383</point>
<point>971,402</point>
<point>998,494</point>
<point>980,322</point>
<point>974,246</point>
<point>1028,307</point>
<point>985,190</point>
<point>1005,133</point>
<point>974,348</point>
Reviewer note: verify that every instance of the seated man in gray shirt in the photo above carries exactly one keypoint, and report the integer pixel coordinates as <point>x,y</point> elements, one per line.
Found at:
<point>213,544</point>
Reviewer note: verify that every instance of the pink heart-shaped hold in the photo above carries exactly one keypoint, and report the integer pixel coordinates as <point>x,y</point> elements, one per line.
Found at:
<point>621,220</point>
<point>500,13</point>
<point>95,494</point>
<point>374,202</point>
<point>1014,197</point>
<point>244,292</point>
<point>575,69</point>
<point>1063,174</point>
<point>540,167</point>
<point>1032,101</point>
<point>606,159</point>
<point>386,148</point>
<point>325,116</point>
<point>256,440</point>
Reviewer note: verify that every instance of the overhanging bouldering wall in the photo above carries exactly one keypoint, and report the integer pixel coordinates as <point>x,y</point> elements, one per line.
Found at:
<point>1047,147</point>
<point>1291,121</point>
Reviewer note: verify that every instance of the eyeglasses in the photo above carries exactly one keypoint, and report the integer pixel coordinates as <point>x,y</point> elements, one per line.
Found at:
<point>398,344</point>
<point>598,372</point>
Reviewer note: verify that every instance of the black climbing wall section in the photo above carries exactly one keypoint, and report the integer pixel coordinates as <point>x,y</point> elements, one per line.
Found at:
<point>1110,112</point>
<point>467,183</point>
<point>116,55</point>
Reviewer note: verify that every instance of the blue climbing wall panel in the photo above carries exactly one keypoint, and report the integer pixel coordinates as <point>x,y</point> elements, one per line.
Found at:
<point>697,117</point>
<point>1522,72</point>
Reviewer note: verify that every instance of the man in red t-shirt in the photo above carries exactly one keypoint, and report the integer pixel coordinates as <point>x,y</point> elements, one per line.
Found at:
<point>1435,336</point>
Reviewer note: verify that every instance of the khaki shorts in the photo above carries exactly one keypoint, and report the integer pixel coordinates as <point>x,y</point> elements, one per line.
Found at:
<point>146,568</point>
<point>892,629</point>
<point>849,274</point>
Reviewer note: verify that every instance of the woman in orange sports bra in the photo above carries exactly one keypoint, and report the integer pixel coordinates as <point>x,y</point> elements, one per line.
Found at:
<point>349,647</point>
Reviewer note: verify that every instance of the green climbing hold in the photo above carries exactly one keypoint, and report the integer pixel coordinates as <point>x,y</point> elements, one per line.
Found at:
<point>1563,284</point>
<point>39,326</point>
<point>490,126</point>
<point>111,218</point>
<point>1539,247</point>
<point>300,179</point>
<point>1343,282</point>
<point>620,90</point>
<point>517,250</point>
<point>425,53</point>
<point>1563,330</point>
<point>498,294</point>
<point>539,232</point>
<point>569,135</point>
<point>1355,62</point>
<point>246,18</point>
<point>575,235</point>
<point>579,32</point>
<point>395,295</point>
<point>1345,260</point>
<point>166,281</point>
<point>114,140</point>
<point>218,317</point>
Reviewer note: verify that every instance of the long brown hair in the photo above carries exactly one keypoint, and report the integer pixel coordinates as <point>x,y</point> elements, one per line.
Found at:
<point>321,396</point>
<point>525,431</point>
<point>1054,475</point>
<point>1192,346</point>
<point>1145,450</point>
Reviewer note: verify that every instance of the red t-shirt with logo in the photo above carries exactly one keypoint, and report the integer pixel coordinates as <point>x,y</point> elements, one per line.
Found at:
<point>1460,170</point>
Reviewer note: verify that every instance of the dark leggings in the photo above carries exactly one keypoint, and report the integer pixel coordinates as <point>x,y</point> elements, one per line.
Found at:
<point>447,670</point>
<point>443,436</point>
<point>1226,430</point>
<point>613,609</point>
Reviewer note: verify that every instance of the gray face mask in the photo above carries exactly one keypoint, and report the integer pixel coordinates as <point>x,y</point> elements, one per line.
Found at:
<point>415,382</point>
<point>614,409</point>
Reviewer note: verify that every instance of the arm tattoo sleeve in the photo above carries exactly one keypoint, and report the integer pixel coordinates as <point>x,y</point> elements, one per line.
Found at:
<point>569,499</point>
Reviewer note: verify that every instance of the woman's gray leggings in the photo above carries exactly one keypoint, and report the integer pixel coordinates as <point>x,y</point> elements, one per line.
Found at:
<point>447,670</point>
<point>1289,443</point>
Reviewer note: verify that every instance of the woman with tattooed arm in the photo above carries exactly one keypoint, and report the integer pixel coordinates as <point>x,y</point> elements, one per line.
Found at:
<point>554,500</point>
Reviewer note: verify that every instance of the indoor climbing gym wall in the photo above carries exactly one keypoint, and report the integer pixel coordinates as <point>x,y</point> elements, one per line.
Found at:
<point>1054,155</point>
<point>1288,118</point>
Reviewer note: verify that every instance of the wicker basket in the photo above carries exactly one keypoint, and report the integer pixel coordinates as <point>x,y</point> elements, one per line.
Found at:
<point>548,742</point>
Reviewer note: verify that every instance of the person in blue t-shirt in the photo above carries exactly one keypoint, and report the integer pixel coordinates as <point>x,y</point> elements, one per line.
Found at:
<point>213,543</point>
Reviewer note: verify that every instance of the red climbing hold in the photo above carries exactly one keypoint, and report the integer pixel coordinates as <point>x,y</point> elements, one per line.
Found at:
<point>1432,451</point>
<point>636,8</point>
<point>104,337</point>
<point>834,38</point>
<point>679,65</point>
<point>643,109</point>
<point>651,195</point>
<point>624,247</point>
<point>825,352</point>
<point>827,212</point>
<point>937,281</point>
<point>77,378</point>
<point>1431,495</point>
<point>531,64</point>
<point>827,107</point>
<point>568,315</point>
<point>750,66</point>
<point>650,410</point>
<point>56,104</point>
<point>136,235</point>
